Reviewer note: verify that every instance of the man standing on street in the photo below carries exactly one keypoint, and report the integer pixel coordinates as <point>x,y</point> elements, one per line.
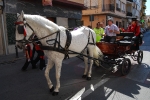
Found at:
<point>99,31</point>
<point>110,31</point>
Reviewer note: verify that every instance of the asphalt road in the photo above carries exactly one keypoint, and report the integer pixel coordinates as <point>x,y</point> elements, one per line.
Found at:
<point>32,85</point>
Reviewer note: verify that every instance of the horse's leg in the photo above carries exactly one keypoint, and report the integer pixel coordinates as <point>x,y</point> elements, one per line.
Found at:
<point>91,62</point>
<point>47,70</point>
<point>86,64</point>
<point>58,65</point>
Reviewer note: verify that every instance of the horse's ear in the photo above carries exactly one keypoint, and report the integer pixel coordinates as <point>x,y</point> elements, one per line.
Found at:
<point>22,13</point>
<point>18,14</point>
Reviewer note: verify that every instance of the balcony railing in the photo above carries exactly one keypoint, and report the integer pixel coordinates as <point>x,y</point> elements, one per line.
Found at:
<point>108,7</point>
<point>144,14</point>
<point>144,6</point>
<point>130,0</point>
<point>129,14</point>
<point>123,11</point>
<point>118,9</point>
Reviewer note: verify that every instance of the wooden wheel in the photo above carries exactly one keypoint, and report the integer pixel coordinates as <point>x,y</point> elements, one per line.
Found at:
<point>125,66</point>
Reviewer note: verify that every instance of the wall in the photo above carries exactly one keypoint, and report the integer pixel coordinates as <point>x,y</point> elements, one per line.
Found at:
<point>1,39</point>
<point>97,18</point>
<point>35,7</point>
<point>62,21</point>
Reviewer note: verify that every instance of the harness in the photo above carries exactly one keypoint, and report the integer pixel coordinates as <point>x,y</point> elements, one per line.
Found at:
<point>56,45</point>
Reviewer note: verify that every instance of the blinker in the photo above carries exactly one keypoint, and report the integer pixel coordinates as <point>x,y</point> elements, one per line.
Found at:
<point>20,29</point>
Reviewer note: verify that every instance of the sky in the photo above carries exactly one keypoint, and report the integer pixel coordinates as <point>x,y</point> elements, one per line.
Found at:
<point>148,7</point>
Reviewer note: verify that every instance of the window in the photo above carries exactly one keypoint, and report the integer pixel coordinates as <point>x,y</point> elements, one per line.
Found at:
<point>118,5</point>
<point>123,7</point>
<point>117,23</point>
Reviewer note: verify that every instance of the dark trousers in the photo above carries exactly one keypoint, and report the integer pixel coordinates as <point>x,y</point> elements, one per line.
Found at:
<point>137,42</point>
<point>40,57</point>
<point>111,39</point>
<point>25,66</point>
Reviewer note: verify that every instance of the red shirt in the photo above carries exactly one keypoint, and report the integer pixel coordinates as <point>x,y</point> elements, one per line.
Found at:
<point>135,29</point>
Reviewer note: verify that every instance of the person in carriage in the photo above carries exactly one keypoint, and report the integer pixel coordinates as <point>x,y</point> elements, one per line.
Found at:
<point>135,27</point>
<point>110,31</point>
<point>99,31</point>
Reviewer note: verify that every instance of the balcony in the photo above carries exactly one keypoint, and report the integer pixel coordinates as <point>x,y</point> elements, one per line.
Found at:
<point>144,14</point>
<point>129,13</point>
<point>118,9</point>
<point>144,6</point>
<point>130,1</point>
<point>108,7</point>
<point>69,3</point>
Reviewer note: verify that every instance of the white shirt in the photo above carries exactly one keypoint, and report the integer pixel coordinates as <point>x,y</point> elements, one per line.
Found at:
<point>112,27</point>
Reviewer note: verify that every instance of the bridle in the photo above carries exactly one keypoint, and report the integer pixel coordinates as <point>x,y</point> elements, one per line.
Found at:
<point>22,30</point>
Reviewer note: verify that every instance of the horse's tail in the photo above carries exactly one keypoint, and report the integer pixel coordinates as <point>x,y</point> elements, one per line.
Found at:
<point>98,55</point>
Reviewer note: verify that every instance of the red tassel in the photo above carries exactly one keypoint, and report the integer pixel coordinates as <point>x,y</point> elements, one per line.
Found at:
<point>25,33</point>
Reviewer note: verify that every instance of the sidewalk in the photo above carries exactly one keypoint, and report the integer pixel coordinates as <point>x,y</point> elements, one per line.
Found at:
<point>11,58</point>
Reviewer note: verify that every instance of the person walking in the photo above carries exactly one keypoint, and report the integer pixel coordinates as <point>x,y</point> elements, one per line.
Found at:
<point>110,31</point>
<point>99,31</point>
<point>29,58</point>
<point>40,53</point>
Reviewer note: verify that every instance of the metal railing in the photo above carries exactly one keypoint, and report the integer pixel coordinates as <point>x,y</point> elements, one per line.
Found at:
<point>108,7</point>
<point>118,9</point>
<point>129,13</point>
<point>130,0</point>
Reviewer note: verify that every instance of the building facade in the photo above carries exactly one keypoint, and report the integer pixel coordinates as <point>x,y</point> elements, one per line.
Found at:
<point>67,13</point>
<point>101,10</point>
<point>120,10</point>
<point>142,13</point>
<point>147,21</point>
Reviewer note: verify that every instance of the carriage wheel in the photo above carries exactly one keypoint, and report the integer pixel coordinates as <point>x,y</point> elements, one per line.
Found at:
<point>140,57</point>
<point>125,66</point>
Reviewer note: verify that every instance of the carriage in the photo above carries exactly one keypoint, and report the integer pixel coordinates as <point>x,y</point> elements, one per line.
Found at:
<point>116,55</point>
<point>58,43</point>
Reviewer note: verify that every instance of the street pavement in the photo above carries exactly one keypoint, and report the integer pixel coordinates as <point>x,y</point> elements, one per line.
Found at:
<point>32,85</point>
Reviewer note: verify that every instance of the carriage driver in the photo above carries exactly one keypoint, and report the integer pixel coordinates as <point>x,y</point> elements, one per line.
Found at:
<point>134,27</point>
<point>110,31</point>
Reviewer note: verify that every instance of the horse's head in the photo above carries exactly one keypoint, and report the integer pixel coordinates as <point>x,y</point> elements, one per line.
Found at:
<point>23,32</point>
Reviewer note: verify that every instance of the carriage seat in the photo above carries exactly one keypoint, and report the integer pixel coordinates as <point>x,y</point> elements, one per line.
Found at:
<point>126,36</point>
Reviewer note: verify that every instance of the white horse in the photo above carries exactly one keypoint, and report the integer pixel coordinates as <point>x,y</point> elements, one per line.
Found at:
<point>42,27</point>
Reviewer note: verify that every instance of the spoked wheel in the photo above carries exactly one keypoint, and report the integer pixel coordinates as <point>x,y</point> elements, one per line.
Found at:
<point>140,57</point>
<point>125,66</point>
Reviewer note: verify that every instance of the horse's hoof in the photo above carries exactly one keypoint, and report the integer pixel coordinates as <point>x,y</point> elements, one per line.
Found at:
<point>52,89</point>
<point>88,78</point>
<point>84,76</point>
<point>55,93</point>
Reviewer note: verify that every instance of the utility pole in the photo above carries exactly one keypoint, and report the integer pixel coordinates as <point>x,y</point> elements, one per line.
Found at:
<point>91,16</point>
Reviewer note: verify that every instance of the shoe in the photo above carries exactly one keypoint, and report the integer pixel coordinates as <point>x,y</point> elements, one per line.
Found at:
<point>23,69</point>
<point>42,68</point>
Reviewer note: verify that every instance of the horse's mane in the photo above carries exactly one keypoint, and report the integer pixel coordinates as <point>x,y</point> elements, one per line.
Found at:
<point>42,21</point>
